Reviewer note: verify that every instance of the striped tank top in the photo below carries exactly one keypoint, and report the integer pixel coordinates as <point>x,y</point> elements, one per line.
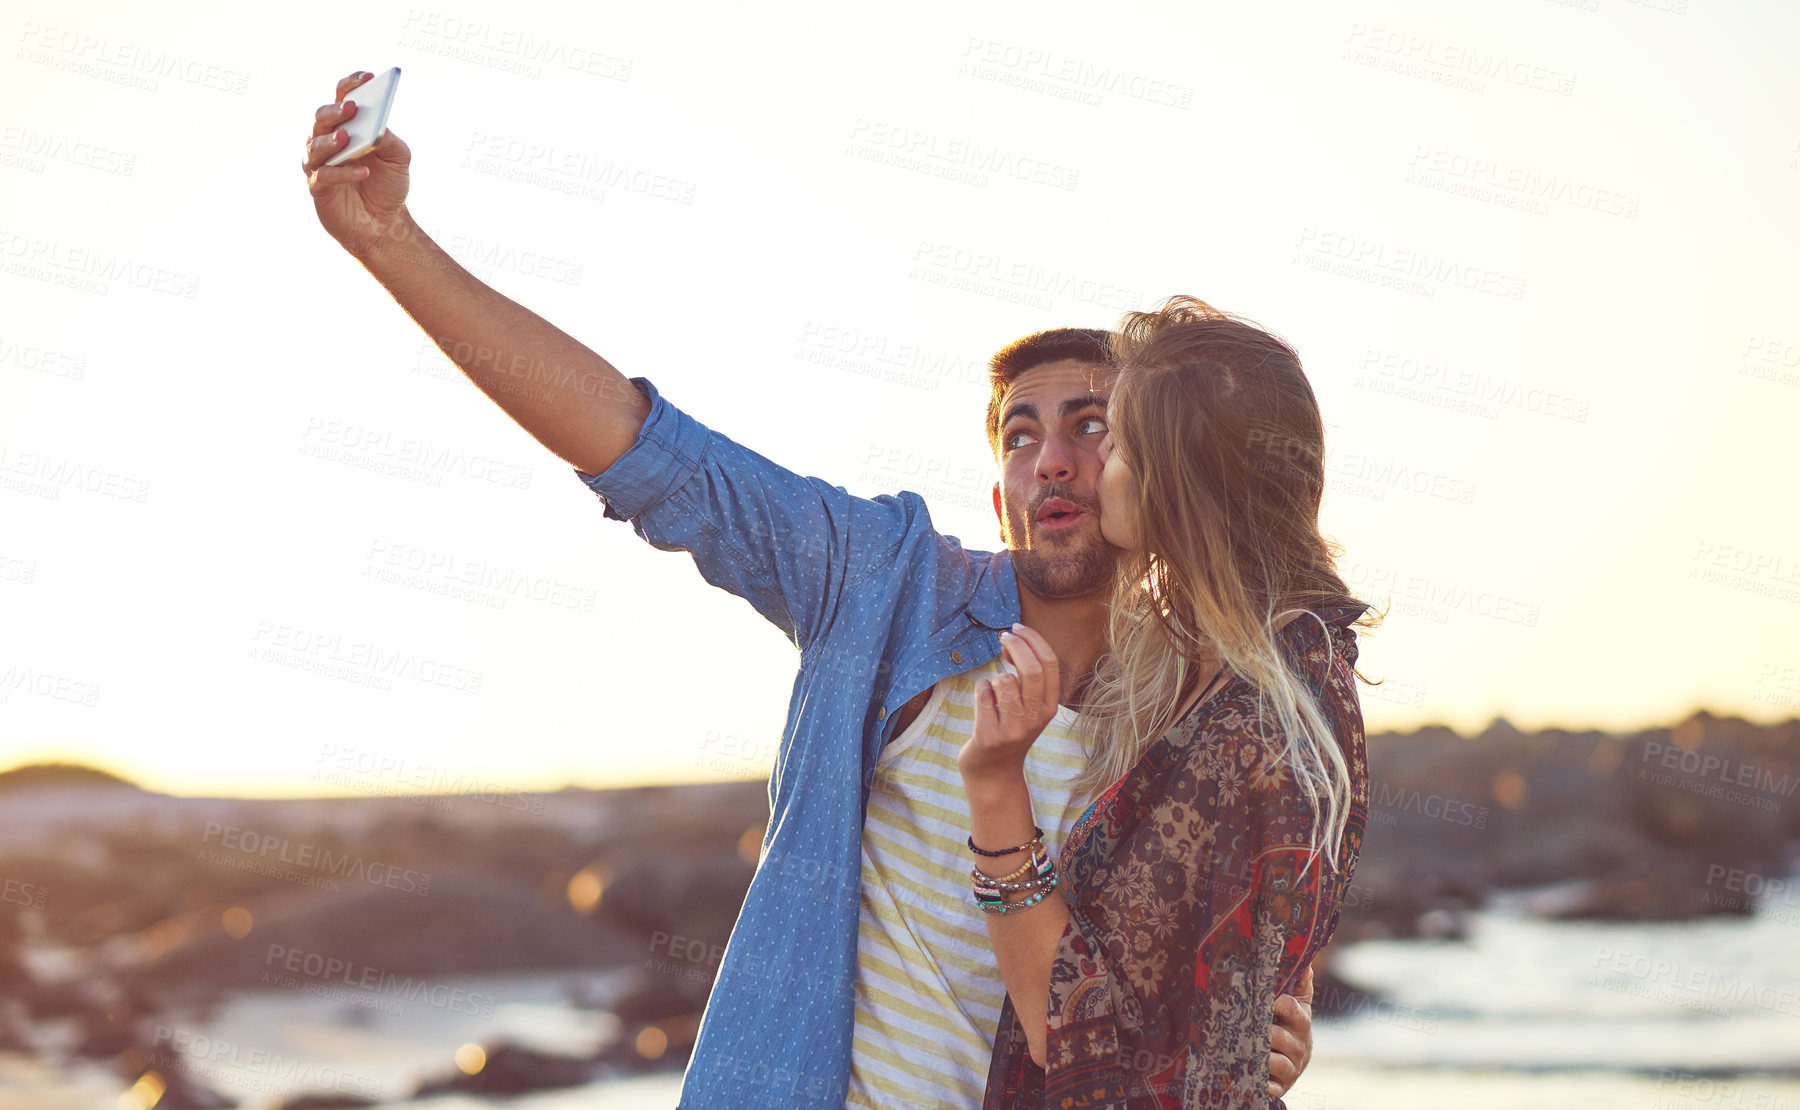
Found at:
<point>928,993</point>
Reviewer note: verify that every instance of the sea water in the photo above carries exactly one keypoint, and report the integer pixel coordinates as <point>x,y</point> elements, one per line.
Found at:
<point>1523,1012</point>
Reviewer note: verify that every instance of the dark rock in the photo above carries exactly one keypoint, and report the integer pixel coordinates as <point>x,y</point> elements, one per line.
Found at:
<point>54,1000</point>
<point>35,776</point>
<point>654,996</point>
<point>1653,898</point>
<point>694,895</point>
<point>105,1034</point>
<point>330,1101</point>
<point>653,1046</point>
<point>1334,997</point>
<point>510,1069</point>
<point>181,1091</point>
<point>1647,824</point>
<point>14,1038</point>
<point>184,1092</point>
<point>462,924</point>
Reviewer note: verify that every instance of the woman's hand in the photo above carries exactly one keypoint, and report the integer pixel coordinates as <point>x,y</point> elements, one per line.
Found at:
<point>363,202</point>
<point>1291,1041</point>
<point>1011,709</point>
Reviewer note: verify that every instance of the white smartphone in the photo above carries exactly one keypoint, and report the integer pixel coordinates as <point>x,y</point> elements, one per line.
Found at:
<point>373,99</point>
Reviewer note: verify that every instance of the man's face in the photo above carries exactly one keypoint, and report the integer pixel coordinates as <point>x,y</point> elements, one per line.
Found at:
<point>1052,421</point>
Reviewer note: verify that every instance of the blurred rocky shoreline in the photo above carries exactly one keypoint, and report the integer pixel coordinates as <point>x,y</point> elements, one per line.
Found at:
<point>118,905</point>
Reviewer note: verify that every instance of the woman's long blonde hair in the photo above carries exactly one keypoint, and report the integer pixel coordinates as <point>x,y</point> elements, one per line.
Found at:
<point>1216,420</point>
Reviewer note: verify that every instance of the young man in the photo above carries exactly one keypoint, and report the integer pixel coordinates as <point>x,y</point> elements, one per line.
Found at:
<point>882,607</point>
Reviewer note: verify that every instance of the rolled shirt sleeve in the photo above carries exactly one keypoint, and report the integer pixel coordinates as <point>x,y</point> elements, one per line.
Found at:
<point>665,457</point>
<point>789,545</point>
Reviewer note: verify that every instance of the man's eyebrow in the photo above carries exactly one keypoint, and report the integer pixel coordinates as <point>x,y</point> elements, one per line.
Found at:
<point>1068,408</point>
<point>1023,408</point>
<point>1075,404</point>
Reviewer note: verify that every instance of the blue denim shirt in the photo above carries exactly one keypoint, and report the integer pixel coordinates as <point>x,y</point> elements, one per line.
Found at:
<point>881,606</point>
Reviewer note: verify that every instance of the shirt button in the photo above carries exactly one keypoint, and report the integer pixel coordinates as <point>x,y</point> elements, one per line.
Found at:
<point>881,714</point>
<point>956,657</point>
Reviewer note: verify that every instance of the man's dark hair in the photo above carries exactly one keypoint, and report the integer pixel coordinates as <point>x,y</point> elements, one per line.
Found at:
<point>1082,344</point>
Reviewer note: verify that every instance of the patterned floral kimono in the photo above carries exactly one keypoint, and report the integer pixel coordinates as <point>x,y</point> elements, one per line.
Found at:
<point>1194,901</point>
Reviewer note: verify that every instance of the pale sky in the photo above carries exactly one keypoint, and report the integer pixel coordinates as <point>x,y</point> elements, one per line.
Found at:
<point>1538,260</point>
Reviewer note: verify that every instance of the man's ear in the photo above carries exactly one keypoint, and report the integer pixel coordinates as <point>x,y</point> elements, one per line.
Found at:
<point>999,515</point>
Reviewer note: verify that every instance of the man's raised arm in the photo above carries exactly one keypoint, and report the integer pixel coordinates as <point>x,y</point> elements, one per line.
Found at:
<point>569,398</point>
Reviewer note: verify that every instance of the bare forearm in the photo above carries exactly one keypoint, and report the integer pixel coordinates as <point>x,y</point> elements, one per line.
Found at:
<point>1024,948</point>
<point>569,398</point>
<point>1024,941</point>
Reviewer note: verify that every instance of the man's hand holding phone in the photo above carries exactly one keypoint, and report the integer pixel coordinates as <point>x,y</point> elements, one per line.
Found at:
<point>586,412</point>
<point>361,203</point>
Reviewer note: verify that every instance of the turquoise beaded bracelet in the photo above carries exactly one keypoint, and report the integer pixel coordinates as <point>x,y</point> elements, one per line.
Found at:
<point>1002,908</point>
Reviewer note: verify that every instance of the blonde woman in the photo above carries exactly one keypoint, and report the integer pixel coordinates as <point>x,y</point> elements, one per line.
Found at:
<point>1226,767</point>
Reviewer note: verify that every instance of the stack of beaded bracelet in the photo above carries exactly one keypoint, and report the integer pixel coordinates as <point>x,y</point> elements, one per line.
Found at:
<point>1038,875</point>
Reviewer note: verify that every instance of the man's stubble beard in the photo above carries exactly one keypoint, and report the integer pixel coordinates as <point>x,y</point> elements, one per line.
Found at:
<point>1064,572</point>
